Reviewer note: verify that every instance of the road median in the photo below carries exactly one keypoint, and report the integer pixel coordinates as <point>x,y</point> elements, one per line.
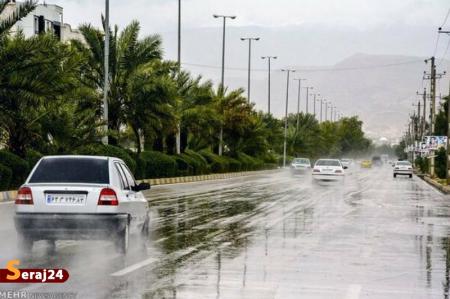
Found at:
<point>11,195</point>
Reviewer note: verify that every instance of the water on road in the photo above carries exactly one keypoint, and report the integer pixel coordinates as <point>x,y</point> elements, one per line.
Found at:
<point>266,236</point>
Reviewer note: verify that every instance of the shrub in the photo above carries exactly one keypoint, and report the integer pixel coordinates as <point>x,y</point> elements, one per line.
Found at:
<point>5,177</point>
<point>249,163</point>
<point>440,164</point>
<point>217,163</point>
<point>200,163</point>
<point>183,166</point>
<point>422,164</point>
<point>17,165</point>
<point>233,164</point>
<point>158,165</point>
<point>98,149</point>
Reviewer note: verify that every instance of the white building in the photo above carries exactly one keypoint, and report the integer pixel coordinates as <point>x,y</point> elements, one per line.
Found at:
<point>45,18</point>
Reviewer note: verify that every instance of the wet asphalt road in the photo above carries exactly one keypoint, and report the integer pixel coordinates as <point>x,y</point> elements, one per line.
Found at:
<point>267,236</point>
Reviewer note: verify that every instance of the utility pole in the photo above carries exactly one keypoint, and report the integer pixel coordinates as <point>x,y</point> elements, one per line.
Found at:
<point>432,76</point>
<point>222,81</point>
<point>249,39</point>
<point>179,33</point>
<point>424,117</point>
<point>307,97</point>
<point>447,173</point>
<point>106,78</point>
<point>269,58</point>
<point>298,99</point>
<point>288,71</point>
<point>417,125</point>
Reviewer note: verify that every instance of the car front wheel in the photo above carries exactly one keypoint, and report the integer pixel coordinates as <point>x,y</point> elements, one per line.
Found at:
<point>395,175</point>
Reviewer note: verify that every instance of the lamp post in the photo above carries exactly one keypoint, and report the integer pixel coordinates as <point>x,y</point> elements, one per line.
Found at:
<point>307,96</point>
<point>269,58</point>
<point>222,81</point>
<point>106,74</point>
<point>321,107</point>
<point>249,39</point>
<point>288,71</point>
<point>316,94</point>
<point>224,18</point>
<point>298,99</point>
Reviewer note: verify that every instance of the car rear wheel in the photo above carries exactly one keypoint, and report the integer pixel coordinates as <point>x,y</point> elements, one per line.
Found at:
<point>395,175</point>
<point>410,176</point>
<point>121,241</point>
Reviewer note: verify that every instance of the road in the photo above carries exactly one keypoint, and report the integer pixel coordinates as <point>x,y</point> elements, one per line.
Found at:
<point>267,236</point>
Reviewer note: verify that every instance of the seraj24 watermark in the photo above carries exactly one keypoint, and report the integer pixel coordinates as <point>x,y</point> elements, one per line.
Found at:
<point>12,274</point>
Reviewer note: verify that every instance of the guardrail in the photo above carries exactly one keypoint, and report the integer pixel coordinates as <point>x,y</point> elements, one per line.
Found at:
<point>11,195</point>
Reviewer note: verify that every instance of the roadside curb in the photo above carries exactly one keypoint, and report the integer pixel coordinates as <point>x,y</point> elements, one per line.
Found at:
<point>11,195</point>
<point>205,177</point>
<point>442,188</point>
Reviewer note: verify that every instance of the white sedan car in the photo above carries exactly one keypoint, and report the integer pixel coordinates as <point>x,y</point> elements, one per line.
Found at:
<point>403,168</point>
<point>328,170</point>
<point>300,165</point>
<point>80,197</point>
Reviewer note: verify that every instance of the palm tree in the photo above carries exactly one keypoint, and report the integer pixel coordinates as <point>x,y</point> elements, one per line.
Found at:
<point>127,55</point>
<point>33,72</point>
<point>21,11</point>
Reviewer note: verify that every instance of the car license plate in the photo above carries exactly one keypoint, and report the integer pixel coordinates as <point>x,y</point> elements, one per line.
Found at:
<point>65,199</point>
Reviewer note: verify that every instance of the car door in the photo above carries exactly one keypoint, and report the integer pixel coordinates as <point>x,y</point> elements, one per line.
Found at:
<point>136,203</point>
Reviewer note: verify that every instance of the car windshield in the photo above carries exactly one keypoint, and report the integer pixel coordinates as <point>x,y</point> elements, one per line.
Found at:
<point>328,163</point>
<point>403,163</point>
<point>70,170</point>
<point>300,161</point>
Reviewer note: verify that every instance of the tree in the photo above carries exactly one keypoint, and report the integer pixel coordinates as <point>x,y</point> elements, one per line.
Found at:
<point>128,54</point>
<point>34,72</point>
<point>22,10</point>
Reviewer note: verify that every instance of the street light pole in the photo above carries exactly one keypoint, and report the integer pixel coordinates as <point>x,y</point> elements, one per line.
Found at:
<point>316,94</point>
<point>298,99</point>
<point>250,39</point>
<point>307,96</point>
<point>106,74</point>
<point>222,81</point>
<point>321,107</point>
<point>288,71</point>
<point>179,33</point>
<point>269,58</point>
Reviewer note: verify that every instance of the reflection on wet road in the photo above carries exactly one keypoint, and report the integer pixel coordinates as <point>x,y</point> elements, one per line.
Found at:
<point>268,236</point>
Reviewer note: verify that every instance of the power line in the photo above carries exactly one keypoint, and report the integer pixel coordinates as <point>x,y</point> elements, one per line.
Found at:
<point>312,70</point>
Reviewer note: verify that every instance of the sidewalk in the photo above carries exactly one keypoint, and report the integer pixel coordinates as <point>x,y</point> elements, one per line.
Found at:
<point>11,195</point>
<point>433,182</point>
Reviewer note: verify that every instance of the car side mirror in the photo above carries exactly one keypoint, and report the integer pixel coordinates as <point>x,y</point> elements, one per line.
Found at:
<point>142,187</point>
<point>345,167</point>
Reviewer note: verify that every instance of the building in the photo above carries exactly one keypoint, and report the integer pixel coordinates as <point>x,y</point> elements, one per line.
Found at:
<point>45,18</point>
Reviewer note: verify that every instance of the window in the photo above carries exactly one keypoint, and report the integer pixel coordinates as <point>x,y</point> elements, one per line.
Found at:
<point>72,170</point>
<point>122,177</point>
<point>36,25</point>
<point>328,163</point>
<point>128,175</point>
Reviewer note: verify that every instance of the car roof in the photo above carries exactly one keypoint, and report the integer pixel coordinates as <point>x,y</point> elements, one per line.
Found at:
<point>329,160</point>
<point>80,157</point>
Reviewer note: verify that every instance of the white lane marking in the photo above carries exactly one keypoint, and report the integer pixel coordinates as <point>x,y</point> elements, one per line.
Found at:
<point>6,202</point>
<point>353,291</point>
<point>134,267</point>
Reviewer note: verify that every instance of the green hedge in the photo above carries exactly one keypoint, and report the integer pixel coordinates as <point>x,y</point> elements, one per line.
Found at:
<point>184,167</point>
<point>249,163</point>
<point>18,166</point>
<point>440,164</point>
<point>197,161</point>
<point>234,165</point>
<point>98,149</point>
<point>158,165</point>
<point>5,177</point>
<point>216,163</point>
